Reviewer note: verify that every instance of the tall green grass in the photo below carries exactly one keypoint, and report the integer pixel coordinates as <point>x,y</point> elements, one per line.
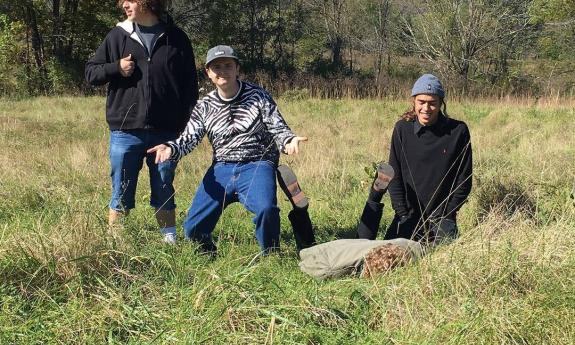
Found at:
<point>65,278</point>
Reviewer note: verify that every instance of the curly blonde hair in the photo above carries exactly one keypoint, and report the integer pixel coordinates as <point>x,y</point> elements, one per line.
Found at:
<point>382,259</point>
<point>157,7</point>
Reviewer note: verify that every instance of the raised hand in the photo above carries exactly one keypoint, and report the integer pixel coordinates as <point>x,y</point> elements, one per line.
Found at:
<point>127,66</point>
<point>293,146</point>
<point>163,152</point>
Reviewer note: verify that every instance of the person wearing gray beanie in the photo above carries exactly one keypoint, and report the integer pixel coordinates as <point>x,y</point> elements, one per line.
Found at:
<point>431,156</point>
<point>428,84</point>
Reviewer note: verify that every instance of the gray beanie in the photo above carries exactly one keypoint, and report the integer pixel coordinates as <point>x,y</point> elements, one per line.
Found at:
<point>428,84</point>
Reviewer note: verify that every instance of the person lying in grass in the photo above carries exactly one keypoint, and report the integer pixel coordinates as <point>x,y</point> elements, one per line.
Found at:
<point>431,156</point>
<point>299,216</point>
<point>358,257</point>
<point>344,257</point>
<point>247,132</point>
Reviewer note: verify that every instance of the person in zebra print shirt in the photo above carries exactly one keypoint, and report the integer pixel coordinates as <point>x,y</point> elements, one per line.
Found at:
<point>247,133</point>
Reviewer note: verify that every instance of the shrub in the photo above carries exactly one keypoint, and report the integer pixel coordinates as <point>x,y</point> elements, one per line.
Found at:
<point>505,197</point>
<point>296,95</point>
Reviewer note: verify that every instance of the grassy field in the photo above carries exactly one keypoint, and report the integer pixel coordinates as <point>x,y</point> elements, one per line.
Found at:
<point>66,279</point>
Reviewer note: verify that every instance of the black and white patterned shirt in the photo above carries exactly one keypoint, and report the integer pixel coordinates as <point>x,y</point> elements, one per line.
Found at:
<point>248,127</point>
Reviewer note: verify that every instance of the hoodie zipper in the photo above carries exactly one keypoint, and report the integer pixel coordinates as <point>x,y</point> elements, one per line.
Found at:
<point>149,62</point>
<point>149,55</point>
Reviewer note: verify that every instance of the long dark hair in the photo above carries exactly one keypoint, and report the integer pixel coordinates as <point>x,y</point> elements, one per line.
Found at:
<point>410,115</point>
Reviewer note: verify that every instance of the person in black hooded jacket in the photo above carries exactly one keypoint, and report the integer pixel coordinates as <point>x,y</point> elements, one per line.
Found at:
<point>149,66</point>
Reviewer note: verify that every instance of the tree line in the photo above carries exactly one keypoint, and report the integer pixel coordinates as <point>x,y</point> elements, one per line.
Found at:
<point>327,48</point>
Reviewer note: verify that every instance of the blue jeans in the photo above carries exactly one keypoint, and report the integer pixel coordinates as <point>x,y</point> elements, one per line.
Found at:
<point>127,153</point>
<point>251,183</point>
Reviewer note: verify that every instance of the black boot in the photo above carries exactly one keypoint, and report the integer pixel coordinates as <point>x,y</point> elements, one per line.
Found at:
<point>302,228</point>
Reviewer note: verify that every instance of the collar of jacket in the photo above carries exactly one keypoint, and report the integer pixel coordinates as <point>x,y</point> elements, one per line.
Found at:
<point>130,27</point>
<point>440,123</point>
<point>233,99</point>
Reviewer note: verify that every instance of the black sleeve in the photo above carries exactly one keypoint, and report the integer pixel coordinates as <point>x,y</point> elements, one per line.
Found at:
<point>396,187</point>
<point>462,185</point>
<point>191,76</point>
<point>101,68</point>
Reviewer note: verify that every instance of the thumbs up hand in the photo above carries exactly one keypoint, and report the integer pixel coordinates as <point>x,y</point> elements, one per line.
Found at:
<point>127,66</point>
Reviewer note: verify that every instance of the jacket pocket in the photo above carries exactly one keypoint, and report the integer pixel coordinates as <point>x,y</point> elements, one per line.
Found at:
<point>123,107</point>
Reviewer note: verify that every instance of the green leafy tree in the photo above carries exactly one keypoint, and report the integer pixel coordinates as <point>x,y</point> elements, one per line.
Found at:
<point>56,38</point>
<point>333,19</point>
<point>265,32</point>
<point>458,36</point>
<point>375,30</point>
<point>557,21</point>
<point>12,56</point>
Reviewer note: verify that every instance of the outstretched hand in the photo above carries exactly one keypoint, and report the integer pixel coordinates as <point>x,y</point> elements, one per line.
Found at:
<point>293,146</point>
<point>163,152</point>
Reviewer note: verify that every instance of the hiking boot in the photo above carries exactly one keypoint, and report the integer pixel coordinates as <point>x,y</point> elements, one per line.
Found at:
<point>289,185</point>
<point>385,174</point>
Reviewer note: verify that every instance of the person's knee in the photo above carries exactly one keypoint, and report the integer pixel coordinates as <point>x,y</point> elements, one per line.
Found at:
<point>167,171</point>
<point>162,188</point>
<point>125,167</point>
<point>268,210</point>
<point>374,205</point>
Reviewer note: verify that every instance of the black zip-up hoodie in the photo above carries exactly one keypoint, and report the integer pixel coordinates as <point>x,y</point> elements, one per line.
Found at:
<point>163,89</point>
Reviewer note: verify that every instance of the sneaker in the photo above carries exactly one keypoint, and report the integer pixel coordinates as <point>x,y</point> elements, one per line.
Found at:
<point>170,238</point>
